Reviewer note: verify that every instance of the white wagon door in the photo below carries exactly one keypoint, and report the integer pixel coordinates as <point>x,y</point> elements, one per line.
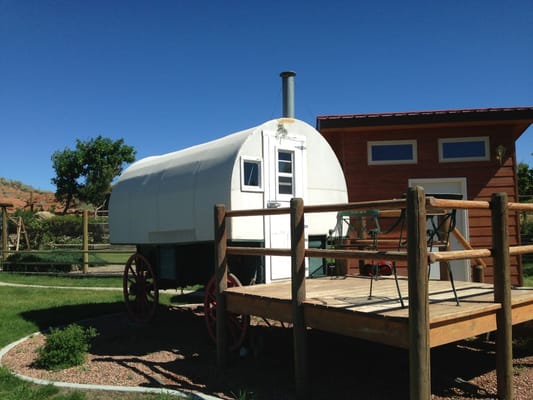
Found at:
<point>460,268</point>
<point>285,178</point>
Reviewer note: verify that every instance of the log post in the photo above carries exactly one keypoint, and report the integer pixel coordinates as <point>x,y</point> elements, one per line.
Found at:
<point>221,277</point>
<point>417,259</point>
<point>5,233</point>
<point>445,231</point>
<point>85,241</point>
<point>502,295</point>
<point>298,297</point>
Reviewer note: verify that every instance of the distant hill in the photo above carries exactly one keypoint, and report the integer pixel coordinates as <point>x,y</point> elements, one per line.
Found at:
<point>25,197</point>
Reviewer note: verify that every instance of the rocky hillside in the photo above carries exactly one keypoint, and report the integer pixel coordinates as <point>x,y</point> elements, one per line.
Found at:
<point>25,197</point>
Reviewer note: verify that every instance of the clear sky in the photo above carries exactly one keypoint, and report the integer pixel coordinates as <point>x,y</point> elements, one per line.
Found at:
<point>165,75</point>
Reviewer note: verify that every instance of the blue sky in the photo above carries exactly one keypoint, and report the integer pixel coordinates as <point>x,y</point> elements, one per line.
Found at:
<point>165,75</point>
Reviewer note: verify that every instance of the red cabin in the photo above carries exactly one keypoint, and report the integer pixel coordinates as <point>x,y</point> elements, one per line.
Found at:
<point>470,152</point>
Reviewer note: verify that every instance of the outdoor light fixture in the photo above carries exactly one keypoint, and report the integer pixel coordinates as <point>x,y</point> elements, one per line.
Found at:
<point>281,132</point>
<point>500,154</point>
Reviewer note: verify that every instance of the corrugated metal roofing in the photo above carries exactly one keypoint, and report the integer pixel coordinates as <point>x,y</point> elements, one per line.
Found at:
<point>420,117</point>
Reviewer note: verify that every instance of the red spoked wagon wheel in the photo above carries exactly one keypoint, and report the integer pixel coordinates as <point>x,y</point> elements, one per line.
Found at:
<point>237,324</point>
<point>140,288</point>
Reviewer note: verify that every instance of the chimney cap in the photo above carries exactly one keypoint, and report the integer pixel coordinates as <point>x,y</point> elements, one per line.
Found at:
<point>286,74</point>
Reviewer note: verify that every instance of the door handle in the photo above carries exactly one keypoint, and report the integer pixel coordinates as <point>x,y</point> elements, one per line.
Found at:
<point>273,204</point>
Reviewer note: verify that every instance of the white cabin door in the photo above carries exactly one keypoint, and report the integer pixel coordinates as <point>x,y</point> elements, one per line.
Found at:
<point>460,268</point>
<point>284,174</point>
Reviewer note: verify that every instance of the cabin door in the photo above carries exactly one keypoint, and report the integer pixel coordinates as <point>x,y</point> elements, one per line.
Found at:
<point>460,268</point>
<point>284,176</point>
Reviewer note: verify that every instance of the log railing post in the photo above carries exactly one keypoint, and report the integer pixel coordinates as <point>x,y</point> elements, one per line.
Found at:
<point>221,278</point>
<point>502,295</point>
<point>85,241</point>
<point>5,234</point>
<point>298,297</point>
<point>419,346</point>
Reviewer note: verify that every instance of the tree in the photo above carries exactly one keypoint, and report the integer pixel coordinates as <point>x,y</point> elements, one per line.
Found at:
<point>525,180</point>
<point>68,166</point>
<point>87,172</point>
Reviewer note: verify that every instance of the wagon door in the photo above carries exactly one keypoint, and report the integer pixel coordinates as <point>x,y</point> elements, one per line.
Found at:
<point>460,268</point>
<point>285,161</point>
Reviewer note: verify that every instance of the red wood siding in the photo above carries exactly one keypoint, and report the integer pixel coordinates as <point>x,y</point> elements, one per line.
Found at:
<point>375,182</point>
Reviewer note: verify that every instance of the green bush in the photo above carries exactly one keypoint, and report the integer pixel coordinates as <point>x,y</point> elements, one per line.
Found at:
<point>65,348</point>
<point>526,231</point>
<point>44,262</point>
<point>60,229</point>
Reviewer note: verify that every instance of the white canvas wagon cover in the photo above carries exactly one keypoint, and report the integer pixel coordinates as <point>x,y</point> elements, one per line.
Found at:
<point>170,198</point>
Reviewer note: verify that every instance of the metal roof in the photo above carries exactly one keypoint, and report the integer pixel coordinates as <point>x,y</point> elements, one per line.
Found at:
<point>518,114</point>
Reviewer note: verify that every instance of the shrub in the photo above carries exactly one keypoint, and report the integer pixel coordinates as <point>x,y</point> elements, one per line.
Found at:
<point>44,262</point>
<point>526,231</point>
<point>65,348</point>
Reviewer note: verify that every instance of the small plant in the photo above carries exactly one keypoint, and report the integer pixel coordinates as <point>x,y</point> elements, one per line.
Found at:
<point>65,348</point>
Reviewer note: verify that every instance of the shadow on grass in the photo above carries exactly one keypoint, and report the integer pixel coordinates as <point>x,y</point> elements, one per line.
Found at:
<point>65,314</point>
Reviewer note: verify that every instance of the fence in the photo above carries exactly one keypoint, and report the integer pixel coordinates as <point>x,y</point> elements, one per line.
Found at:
<point>94,250</point>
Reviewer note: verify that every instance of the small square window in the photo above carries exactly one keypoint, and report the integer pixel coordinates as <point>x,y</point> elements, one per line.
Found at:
<point>464,149</point>
<point>251,175</point>
<point>392,152</point>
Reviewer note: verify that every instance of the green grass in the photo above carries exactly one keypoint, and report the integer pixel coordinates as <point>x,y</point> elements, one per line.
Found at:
<point>528,274</point>
<point>25,310</point>
<point>111,258</point>
<point>50,280</point>
<point>12,388</point>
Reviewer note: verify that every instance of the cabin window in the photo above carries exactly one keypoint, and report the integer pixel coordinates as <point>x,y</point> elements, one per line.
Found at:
<point>392,152</point>
<point>251,174</point>
<point>285,172</point>
<point>464,149</point>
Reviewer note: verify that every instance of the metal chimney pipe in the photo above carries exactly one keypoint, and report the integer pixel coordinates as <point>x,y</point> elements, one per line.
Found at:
<point>287,79</point>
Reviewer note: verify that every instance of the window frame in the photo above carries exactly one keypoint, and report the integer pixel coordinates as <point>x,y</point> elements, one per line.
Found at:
<point>486,147</point>
<point>412,142</point>
<point>252,188</point>
<point>280,174</point>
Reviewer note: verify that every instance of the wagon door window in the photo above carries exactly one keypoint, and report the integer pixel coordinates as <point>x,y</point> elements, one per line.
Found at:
<point>251,175</point>
<point>285,172</point>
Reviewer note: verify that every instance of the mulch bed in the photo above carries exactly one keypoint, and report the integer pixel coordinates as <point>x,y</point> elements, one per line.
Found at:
<point>175,352</point>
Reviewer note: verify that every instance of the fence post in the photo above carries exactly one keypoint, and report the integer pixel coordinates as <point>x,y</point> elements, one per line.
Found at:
<point>298,297</point>
<point>417,260</point>
<point>221,278</point>
<point>502,295</point>
<point>5,233</point>
<point>85,241</point>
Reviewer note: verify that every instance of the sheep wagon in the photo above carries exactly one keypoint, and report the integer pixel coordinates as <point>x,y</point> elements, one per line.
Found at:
<point>164,206</point>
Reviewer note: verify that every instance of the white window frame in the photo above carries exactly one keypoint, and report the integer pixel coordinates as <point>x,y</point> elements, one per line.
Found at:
<point>250,188</point>
<point>371,144</point>
<point>484,139</point>
<point>280,174</point>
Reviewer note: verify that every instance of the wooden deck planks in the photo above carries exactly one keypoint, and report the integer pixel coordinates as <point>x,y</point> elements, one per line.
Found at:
<point>341,305</point>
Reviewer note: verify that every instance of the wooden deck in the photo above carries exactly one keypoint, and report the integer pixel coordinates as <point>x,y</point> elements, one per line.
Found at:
<point>341,305</point>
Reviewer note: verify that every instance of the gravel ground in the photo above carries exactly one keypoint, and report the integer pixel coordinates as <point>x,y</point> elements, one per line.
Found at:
<point>175,352</point>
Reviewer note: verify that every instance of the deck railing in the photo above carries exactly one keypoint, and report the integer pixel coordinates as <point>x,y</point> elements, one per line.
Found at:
<point>416,205</point>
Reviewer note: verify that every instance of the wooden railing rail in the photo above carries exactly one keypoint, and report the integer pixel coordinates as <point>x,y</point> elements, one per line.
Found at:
<point>435,202</point>
<point>520,206</point>
<point>415,206</point>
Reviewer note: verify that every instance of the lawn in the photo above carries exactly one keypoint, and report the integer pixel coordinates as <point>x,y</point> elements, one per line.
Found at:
<point>51,280</point>
<point>111,257</point>
<point>528,274</point>
<point>26,310</point>
<point>78,280</point>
